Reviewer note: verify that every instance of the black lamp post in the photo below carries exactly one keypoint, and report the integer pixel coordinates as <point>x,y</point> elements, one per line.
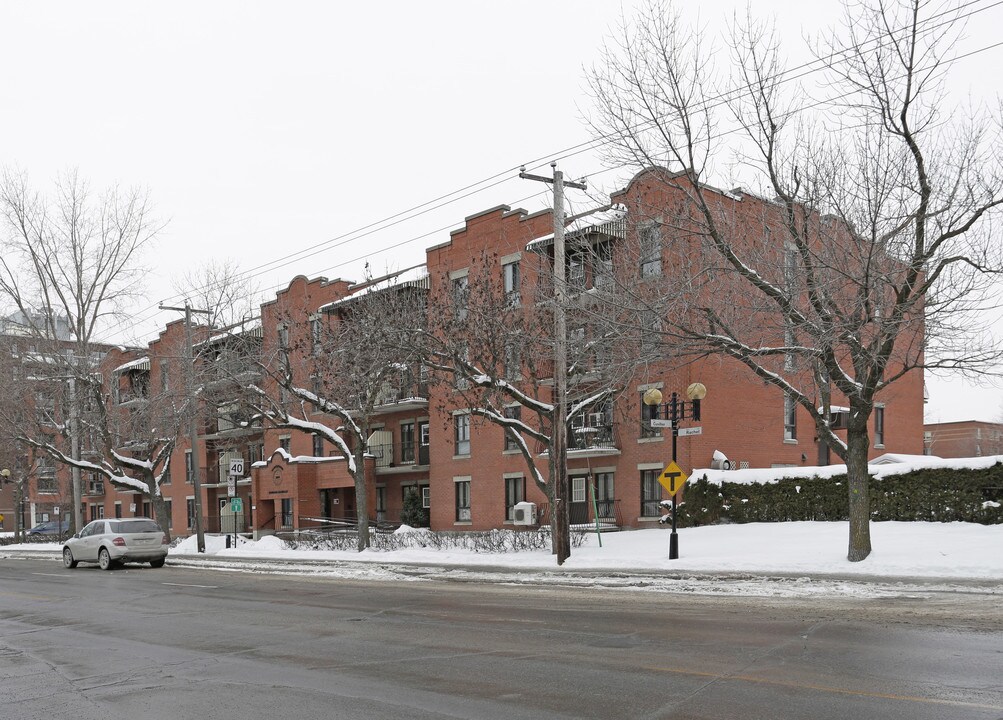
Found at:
<point>674,411</point>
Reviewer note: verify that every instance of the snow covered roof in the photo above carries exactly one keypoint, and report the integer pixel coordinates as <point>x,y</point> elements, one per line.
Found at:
<point>607,221</point>
<point>892,458</point>
<point>142,363</point>
<point>416,276</point>
<point>252,330</point>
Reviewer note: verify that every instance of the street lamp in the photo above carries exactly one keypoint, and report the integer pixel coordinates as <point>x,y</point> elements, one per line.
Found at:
<point>673,412</point>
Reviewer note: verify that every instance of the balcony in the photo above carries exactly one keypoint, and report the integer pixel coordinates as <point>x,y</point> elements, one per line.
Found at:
<point>593,434</point>
<point>402,396</point>
<point>388,462</point>
<point>95,488</point>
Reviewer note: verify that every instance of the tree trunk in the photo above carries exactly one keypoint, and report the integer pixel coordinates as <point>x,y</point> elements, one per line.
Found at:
<point>361,504</point>
<point>159,507</point>
<point>858,482</point>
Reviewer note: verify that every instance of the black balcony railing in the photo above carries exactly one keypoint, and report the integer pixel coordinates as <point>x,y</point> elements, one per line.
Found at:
<point>584,515</point>
<point>592,435</point>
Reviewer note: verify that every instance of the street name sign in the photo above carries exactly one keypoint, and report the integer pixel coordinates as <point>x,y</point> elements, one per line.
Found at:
<point>683,432</point>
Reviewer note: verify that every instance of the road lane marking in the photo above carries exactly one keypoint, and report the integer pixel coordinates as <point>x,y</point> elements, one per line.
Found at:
<point>825,688</point>
<point>211,587</point>
<point>58,575</point>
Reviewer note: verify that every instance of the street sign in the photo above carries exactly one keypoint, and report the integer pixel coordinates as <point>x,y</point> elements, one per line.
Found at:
<point>683,432</point>
<point>55,510</point>
<point>672,478</point>
<point>236,505</point>
<point>660,423</point>
<point>231,486</point>
<point>237,467</point>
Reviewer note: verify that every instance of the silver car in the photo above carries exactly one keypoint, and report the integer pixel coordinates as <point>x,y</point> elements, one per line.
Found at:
<point>109,542</point>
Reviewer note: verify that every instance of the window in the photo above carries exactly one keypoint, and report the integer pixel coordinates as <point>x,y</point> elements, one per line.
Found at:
<point>316,333</point>
<point>461,297</point>
<point>285,442</point>
<point>651,493</point>
<point>381,503</point>
<point>407,443</point>
<point>94,512</point>
<point>283,337</point>
<point>651,251</point>
<point>318,446</point>
<point>578,489</point>
<point>287,512</point>
<point>602,272</point>
<point>462,500</point>
<point>515,492</point>
<point>426,497</point>
<point>165,371</point>
<point>576,272</point>
<point>191,512</point>
<point>118,510</point>
<point>254,453</point>
<point>512,360</point>
<point>879,426</point>
<point>649,413</point>
<point>790,418</point>
<point>461,426</point>
<point>189,469</point>
<point>513,412</point>
<point>510,273</point>
<point>47,476</point>
<point>604,494</point>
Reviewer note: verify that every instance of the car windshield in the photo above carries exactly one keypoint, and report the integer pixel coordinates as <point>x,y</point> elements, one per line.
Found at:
<point>134,526</point>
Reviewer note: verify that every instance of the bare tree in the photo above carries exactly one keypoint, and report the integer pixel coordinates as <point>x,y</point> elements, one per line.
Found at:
<point>873,251</point>
<point>69,265</point>
<point>221,288</point>
<point>494,346</point>
<point>330,377</point>
<point>130,447</point>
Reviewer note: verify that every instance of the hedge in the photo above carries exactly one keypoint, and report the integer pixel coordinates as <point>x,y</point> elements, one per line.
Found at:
<point>930,494</point>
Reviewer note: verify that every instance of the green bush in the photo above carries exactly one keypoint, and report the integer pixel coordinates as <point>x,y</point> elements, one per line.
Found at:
<point>932,494</point>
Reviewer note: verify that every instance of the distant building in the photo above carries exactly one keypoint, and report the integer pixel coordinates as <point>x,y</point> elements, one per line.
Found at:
<point>966,438</point>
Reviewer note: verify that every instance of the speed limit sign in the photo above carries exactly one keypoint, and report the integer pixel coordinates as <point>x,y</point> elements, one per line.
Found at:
<point>237,467</point>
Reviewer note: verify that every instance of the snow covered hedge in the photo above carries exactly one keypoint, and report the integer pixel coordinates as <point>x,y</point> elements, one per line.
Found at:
<point>929,494</point>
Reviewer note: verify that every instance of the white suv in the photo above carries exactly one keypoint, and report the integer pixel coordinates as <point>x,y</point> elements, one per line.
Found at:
<point>109,542</point>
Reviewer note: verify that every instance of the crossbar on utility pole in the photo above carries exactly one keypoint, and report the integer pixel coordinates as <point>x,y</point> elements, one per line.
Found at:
<point>193,422</point>
<point>559,442</point>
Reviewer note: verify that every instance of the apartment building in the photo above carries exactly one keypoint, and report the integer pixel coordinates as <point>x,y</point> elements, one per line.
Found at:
<point>964,438</point>
<point>424,431</point>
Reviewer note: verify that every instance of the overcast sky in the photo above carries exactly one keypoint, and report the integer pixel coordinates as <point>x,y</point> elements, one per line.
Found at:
<point>289,137</point>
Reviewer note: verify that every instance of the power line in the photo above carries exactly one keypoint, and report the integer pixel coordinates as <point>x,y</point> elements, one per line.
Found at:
<point>471,189</point>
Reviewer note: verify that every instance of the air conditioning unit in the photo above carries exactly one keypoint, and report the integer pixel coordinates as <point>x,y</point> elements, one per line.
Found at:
<point>524,513</point>
<point>720,461</point>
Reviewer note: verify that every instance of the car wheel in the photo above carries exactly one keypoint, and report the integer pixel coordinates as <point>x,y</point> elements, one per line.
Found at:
<point>158,563</point>
<point>104,560</point>
<point>68,560</point>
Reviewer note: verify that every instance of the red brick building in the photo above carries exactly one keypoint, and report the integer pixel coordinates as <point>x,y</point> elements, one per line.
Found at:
<point>421,436</point>
<point>965,438</point>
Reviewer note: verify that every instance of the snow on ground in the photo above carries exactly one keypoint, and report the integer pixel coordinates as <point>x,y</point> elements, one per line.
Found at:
<point>920,550</point>
<point>799,559</point>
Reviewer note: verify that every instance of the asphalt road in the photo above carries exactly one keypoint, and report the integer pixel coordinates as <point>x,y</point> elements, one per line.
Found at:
<point>182,643</point>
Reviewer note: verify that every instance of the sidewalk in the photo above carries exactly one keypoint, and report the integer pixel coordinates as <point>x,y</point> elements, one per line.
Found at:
<point>781,559</point>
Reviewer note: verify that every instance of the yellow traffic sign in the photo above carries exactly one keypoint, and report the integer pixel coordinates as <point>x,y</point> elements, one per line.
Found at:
<point>672,478</point>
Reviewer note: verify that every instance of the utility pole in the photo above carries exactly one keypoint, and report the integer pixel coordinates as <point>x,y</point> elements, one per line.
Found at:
<point>559,441</point>
<point>76,491</point>
<point>193,432</point>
